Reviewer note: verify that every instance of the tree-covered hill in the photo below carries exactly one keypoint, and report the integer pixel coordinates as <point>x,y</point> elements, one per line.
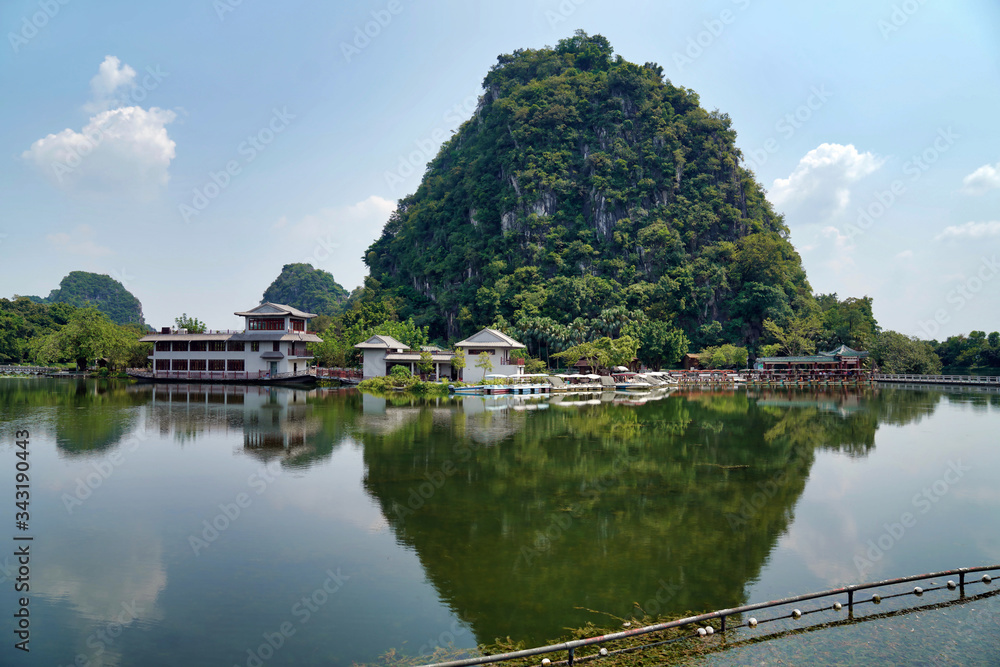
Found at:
<point>303,287</point>
<point>25,319</point>
<point>586,185</point>
<point>83,289</point>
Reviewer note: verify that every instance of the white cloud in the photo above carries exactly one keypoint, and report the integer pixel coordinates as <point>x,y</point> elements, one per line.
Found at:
<point>79,242</point>
<point>121,150</point>
<point>335,239</point>
<point>982,180</point>
<point>970,230</point>
<point>819,186</point>
<point>905,254</point>
<point>107,86</point>
<point>125,149</point>
<point>838,257</point>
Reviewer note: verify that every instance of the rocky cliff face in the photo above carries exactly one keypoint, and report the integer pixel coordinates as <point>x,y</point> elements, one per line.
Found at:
<point>580,166</point>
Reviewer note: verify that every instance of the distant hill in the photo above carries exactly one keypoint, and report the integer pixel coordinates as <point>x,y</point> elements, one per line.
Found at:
<point>306,288</point>
<point>585,183</point>
<point>82,289</point>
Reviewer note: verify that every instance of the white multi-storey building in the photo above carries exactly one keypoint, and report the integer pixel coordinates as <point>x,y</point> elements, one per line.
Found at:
<point>271,347</point>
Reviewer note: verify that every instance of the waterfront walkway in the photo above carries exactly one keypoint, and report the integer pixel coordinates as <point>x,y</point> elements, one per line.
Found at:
<point>27,370</point>
<point>972,380</point>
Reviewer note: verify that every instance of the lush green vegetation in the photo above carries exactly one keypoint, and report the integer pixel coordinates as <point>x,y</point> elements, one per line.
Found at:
<point>192,324</point>
<point>90,335</point>
<point>83,289</point>
<point>723,356</point>
<point>605,352</point>
<point>308,289</point>
<point>23,320</point>
<point>582,184</point>
<point>977,350</point>
<point>400,379</point>
<point>363,320</point>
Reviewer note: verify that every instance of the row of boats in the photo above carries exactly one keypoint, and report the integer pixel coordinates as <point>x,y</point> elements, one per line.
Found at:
<point>541,383</point>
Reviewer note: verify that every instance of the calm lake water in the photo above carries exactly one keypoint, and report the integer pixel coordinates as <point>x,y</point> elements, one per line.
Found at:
<point>178,524</point>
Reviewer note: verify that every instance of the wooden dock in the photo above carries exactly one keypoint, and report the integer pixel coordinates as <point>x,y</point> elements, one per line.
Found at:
<point>27,370</point>
<point>969,380</point>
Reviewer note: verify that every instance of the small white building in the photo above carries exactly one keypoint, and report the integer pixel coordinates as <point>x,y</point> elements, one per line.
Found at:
<point>271,346</point>
<point>497,346</point>
<point>381,353</point>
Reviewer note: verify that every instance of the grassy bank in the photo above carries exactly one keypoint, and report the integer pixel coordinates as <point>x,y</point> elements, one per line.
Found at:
<point>683,652</point>
<point>390,384</point>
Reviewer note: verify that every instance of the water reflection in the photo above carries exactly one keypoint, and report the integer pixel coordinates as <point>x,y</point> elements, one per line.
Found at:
<point>672,503</point>
<point>296,426</point>
<point>525,514</point>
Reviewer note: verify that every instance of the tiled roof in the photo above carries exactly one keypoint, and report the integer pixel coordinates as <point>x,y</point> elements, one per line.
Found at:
<point>489,338</point>
<point>378,342</point>
<point>268,308</point>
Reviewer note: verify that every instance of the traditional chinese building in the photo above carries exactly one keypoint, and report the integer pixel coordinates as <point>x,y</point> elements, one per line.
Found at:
<point>272,346</point>
<point>842,359</point>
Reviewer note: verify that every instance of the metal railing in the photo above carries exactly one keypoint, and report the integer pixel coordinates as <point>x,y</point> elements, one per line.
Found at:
<point>27,370</point>
<point>724,614</point>
<point>939,379</point>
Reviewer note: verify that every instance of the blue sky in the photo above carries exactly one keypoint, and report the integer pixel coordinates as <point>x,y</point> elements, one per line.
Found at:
<point>191,148</point>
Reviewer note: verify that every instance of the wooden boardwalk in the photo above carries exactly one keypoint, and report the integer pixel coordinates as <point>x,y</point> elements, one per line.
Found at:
<point>27,370</point>
<point>969,380</point>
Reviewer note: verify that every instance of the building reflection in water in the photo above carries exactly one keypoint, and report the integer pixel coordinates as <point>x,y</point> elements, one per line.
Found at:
<point>273,422</point>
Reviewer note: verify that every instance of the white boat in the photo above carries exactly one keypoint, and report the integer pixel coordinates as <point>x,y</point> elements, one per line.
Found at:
<point>629,381</point>
<point>534,383</point>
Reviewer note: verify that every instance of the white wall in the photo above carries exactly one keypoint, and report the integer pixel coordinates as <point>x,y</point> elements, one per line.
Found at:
<point>374,363</point>
<point>252,361</point>
<point>473,374</point>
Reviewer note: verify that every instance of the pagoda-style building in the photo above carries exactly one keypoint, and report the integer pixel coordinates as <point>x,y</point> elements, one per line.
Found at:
<point>841,360</point>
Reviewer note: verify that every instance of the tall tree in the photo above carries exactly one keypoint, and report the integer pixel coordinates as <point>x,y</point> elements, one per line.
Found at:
<point>192,324</point>
<point>894,352</point>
